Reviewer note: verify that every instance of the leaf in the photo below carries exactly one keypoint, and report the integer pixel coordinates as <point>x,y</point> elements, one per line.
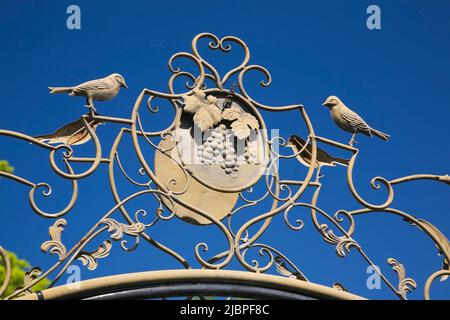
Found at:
<point>117,229</point>
<point>134,229</point>
<point>405,285</point>
<point>89,259</point>
<point>5,167</point>
<point>206,117</point>
<point>114,228</point>
<point>243,121</point>
<point>343,244</point>
<point>31,275</point>
<point>205,109</point>
<point>251,121</point>
<point>232,113</point>
<point>240,129</point>
<point>55,245</point>
<point>191,104</point>
<point>28,279</point>
<point>212,100</point>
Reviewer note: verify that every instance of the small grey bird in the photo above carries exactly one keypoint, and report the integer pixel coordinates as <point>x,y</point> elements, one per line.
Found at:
<point>99,89</point>
<point>323,158</point>
<point>72,134</point>
<point>350,121</point>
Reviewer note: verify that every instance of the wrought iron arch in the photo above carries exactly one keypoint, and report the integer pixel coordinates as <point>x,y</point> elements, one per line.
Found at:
<point>174,194</point>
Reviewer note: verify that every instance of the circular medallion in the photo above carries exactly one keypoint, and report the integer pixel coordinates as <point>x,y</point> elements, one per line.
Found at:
<point>167,169</point>
<point>219,143</point>
<point>228,155</point>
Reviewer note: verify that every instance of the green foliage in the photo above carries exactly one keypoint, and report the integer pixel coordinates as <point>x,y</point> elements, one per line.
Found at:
<point>5,167</point>
<point>18,269</point>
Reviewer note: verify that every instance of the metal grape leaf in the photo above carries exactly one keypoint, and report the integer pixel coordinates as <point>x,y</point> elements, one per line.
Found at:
<point>232,113</point>
<point>242,123</point>
<point>205,109</point>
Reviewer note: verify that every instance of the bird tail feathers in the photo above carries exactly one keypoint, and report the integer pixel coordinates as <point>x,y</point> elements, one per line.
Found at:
<point>49,139</point>
<point>380,134</point>
<point>43,138</point>
<point>54,90</point>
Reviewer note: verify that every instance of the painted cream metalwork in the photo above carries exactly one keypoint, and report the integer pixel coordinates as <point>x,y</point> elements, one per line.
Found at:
<point>211,108</point>
<point>91,289</point>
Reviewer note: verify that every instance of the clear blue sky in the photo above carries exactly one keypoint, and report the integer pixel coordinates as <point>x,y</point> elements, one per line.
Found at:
<point>397,78</point>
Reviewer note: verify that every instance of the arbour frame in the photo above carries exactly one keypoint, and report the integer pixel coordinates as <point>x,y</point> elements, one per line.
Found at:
<point>284,194</point>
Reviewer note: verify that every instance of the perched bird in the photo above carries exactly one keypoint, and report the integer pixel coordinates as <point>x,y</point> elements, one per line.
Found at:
<point>72,134</point>
<point>322,157</point>
<point>99,90</point>
<point>349,121</point>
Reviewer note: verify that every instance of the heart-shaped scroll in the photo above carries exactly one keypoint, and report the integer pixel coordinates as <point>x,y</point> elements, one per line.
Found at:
<point>220,44</point>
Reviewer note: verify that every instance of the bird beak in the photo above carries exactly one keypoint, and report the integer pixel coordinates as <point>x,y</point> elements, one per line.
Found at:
<point>324,104</point>
<point>125,85</point>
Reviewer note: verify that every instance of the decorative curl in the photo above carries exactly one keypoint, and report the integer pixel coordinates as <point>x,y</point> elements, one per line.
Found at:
<point>300,223</point>
<point>375,183</point>
<point>47,191</point>
<point>430,280</point>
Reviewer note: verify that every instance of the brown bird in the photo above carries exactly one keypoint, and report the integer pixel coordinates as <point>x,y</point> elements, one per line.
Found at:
<point>72,134</point>
<point>350,121</point>
<point>322,158</point>
<point>100,89</point>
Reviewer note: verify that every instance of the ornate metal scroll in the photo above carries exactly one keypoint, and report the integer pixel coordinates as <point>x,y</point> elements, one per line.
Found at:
<point>234,157</point>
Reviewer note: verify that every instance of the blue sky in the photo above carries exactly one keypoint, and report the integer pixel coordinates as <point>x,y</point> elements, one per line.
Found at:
<point>397,78</point>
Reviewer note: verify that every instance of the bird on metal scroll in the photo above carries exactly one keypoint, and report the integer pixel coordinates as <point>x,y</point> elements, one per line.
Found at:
<point>71,134</point>
<point>99,90</point>
<point>323,158</point>
<point>350,121</point>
